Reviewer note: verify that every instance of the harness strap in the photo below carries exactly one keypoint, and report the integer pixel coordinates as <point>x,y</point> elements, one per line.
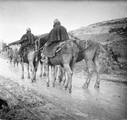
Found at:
<point>59,46</point>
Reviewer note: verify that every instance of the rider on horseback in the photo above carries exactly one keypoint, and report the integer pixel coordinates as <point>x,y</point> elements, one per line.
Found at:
<point>26,39</point>
<point>57,34</point>
<point>55,39</point>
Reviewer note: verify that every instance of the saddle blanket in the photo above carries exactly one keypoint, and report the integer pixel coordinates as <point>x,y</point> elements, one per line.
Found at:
<point>50,51</point>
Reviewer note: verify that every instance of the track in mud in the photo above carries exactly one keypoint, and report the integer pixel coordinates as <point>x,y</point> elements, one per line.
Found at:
<point>28,106</point>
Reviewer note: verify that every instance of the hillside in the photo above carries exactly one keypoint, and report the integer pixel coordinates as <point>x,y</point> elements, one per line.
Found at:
<point>111,32</point>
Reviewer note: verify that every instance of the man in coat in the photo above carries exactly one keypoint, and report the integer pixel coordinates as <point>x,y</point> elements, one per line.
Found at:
<point>26,39</point>
<point>57,34</point>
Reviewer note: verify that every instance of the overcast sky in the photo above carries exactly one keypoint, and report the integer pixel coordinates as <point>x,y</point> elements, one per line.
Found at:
<point>16,16</point>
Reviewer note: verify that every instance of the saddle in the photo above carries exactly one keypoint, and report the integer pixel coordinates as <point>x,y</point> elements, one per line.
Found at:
<point>51,50</point>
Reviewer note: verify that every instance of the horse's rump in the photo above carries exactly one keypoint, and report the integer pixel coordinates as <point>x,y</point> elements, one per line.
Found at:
<point>25,52</point>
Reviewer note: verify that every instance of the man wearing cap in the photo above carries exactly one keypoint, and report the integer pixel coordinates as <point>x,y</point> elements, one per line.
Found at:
<point>26,39</point>
<point>58,33</point>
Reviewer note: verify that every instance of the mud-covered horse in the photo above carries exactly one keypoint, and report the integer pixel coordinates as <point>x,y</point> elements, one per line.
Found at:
<point>66,58</point>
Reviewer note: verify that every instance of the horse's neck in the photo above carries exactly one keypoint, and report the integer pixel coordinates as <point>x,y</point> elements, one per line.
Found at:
<point>80,44</point>
<point>42,41</point>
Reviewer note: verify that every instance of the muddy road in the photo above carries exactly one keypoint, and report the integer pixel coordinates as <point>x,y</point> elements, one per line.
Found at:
<point>109,102</point>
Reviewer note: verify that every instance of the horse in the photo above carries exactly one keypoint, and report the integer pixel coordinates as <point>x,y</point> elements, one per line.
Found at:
<point>65,57</point>
<point>89,51</point>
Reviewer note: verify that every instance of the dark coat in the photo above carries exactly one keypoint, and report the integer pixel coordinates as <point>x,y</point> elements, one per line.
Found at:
<point>27,38</point>
<point>58,33</point>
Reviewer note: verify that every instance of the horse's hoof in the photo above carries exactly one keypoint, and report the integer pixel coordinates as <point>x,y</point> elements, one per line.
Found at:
<point>62,83</point>
<point>85,86</point>
<point>44,74</point>
<point>97,85</point>
<point>40,75</point>
<point>65,88</point>
<point>33,80</point>
<point>58,80</point>
<point>47,84</point>
<point>69,91</point>
<point>53,84</point>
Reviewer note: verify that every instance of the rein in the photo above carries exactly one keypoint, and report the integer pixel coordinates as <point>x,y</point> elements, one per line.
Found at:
<point>40,48</point>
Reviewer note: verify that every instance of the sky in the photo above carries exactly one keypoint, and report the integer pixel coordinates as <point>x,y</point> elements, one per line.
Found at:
<point>17,16</point>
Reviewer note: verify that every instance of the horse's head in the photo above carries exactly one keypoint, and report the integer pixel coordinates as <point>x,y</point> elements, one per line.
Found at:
<point>40,42</point>
<point>37,43</point>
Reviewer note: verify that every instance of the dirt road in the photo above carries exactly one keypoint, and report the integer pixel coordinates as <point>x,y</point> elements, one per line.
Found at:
<point>107,103</point>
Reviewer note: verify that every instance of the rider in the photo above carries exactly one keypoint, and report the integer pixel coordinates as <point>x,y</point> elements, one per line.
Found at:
<point>26,39</point>
<point>58,33</point>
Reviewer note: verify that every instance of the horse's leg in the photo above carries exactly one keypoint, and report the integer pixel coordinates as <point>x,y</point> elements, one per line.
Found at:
<point>68,83</point>
<point>89,64</point>
<point>64,76</point>
<point>10,60</point>
<point>58,73</point>
<point>43,69</point>
<point>22,66</point>
<point>28,73</point>
<point>14,63</point>
<point>17,63</point>
<point>32,70</point>
<point>35,70</point>
<point>97,73</point>
<point>71,68</point>
<point>48,77</point>
<point>53,75</point>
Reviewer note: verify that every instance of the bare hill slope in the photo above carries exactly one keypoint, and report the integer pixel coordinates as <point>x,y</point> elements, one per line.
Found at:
<point>111,32</point>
